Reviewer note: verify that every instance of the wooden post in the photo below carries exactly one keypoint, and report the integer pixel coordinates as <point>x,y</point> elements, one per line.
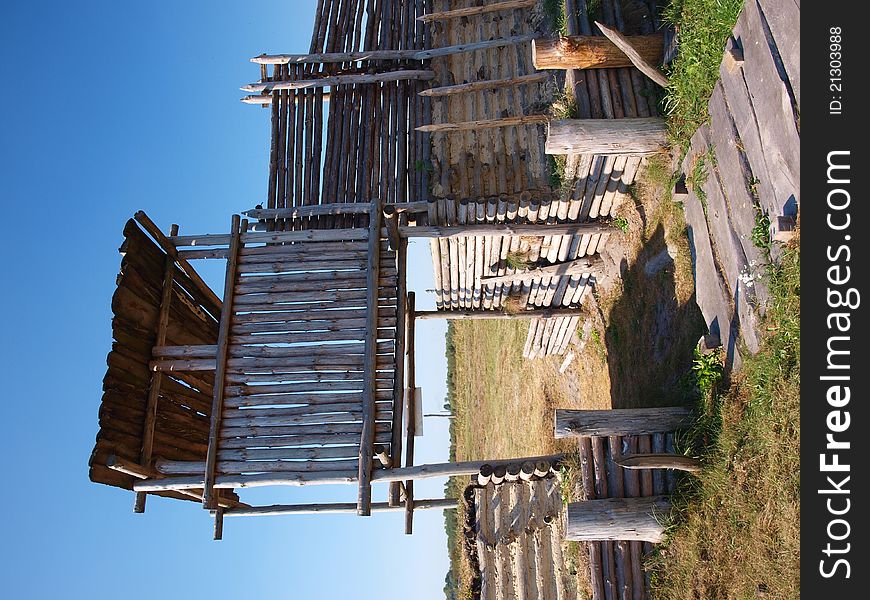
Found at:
<point>620,421</point>
<point>617,519</point>
<point>484,476</point>
<point>156,377</point>
<point>471,11</point>
<point>510,229</point>
<point>634,49</point>
<point>574,267</point>
<point>336,508</point>
<point>593,52</point>
<point>364,497</point>
<point>462,315</point>
<point>223,342</point>
<point>646,135</point>
<point>499,472</point>
<point>391,222</point>
<point>399,383</point>
<point>410,412</point>
<point>218,523</point>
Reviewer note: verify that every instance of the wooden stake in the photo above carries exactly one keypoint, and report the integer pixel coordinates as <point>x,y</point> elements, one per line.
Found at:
<point>635,50</point>
<point>334,80</point>
<point>476,10</point>
<point>476,86</point>
<point>574,267</point>
<point>660,461</point>
<point>484,124</point>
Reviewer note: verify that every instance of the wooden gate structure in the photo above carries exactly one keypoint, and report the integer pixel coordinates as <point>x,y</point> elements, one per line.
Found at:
<point>298,374</point>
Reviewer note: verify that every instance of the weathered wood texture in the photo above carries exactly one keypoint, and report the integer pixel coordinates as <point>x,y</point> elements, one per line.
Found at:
<point>593,52</point>
<point>618,136</point>
<point>183,404</point>
<point>618,519</point>
<point>620,421</point>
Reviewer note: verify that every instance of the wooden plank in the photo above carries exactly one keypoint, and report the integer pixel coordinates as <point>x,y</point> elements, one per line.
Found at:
<point>399,385</point>
<point>208,496</point>
<point>410,411</point>
<point>265,237</point>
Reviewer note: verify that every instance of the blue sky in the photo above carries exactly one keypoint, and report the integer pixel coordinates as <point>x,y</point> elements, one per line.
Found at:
<point>111,107</point>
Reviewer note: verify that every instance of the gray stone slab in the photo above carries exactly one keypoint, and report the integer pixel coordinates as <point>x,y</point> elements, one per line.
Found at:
<point>783,18</point>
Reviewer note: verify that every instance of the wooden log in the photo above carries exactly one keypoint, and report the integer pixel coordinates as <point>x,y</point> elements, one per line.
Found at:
<point>513,472</point>
<point>527,470</point>
<point>364,497</point>
<point>484,124</point>
<point>505,229</point>
<point>498,474</point>
<point>223,342</point>
<point>620,421</point>
<point>248,481</point>
<point>410,410</point>
<point>391,222</point>
<point>381,55</point>
<point>401,337</point>
<point>218,514</point>
<point>336,508</point>
<point>490,84</point>
<point>594,52</point>
<point>635,48</point>
<point>646,135</point>
<point>335,80</point>
<point>277,237</point>
<point>542,468</point>
<point>660,461</point>
<point>451,469</point>
<point>615,519</point>
<point>542,313</point>
<point>471,11</point>
<point>484,475</point>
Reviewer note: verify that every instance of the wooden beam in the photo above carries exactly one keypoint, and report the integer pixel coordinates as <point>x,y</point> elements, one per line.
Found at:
<point>364,497</point>
<point>414,55</point>
<point>539,313</point>
<point>169,247</point>
<point>410,411</point>
<point>156,377</point>
<point>617,519</point>
<point>336,508</point>
<point>484,124</point>
<point>261,237</point>
<point>451,469</point>
<point>490,84</point>
<point>660,461</point>
<point>295,212</point>
<point>499,229</point>
<point>620,421</point>
<point>646,135</point>
<point>476,10</point>
<point>635,49</point>
<point>593,52</point>
<point>334,80</point>
<point>208,495</point>
<point>399,379</point>
<point>574,267</point>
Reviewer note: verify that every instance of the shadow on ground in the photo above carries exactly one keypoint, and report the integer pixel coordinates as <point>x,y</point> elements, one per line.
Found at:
<point>650,337</point>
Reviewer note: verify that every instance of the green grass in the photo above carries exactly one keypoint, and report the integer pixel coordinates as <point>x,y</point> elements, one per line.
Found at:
<point>735,532</point>
<point>697,178</point>
<point>621,223</point>
<point>555,12</point>
<point>704,27</point>
<point>761,231</point>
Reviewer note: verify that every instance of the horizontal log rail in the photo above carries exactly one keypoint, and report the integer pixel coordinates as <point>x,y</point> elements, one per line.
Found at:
<point>265,237</point>
<point>476,86</point>
<point>331,477</point>
<point>498,229</point>
<point>337,508</point>
<point>541,313</point>
<point>660,461</point>
<point>574,267</point>
<point>476,10</point>
<point>484,124</point>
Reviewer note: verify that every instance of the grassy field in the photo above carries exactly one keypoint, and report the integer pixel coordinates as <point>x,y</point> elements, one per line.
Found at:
<point>736,533</point>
